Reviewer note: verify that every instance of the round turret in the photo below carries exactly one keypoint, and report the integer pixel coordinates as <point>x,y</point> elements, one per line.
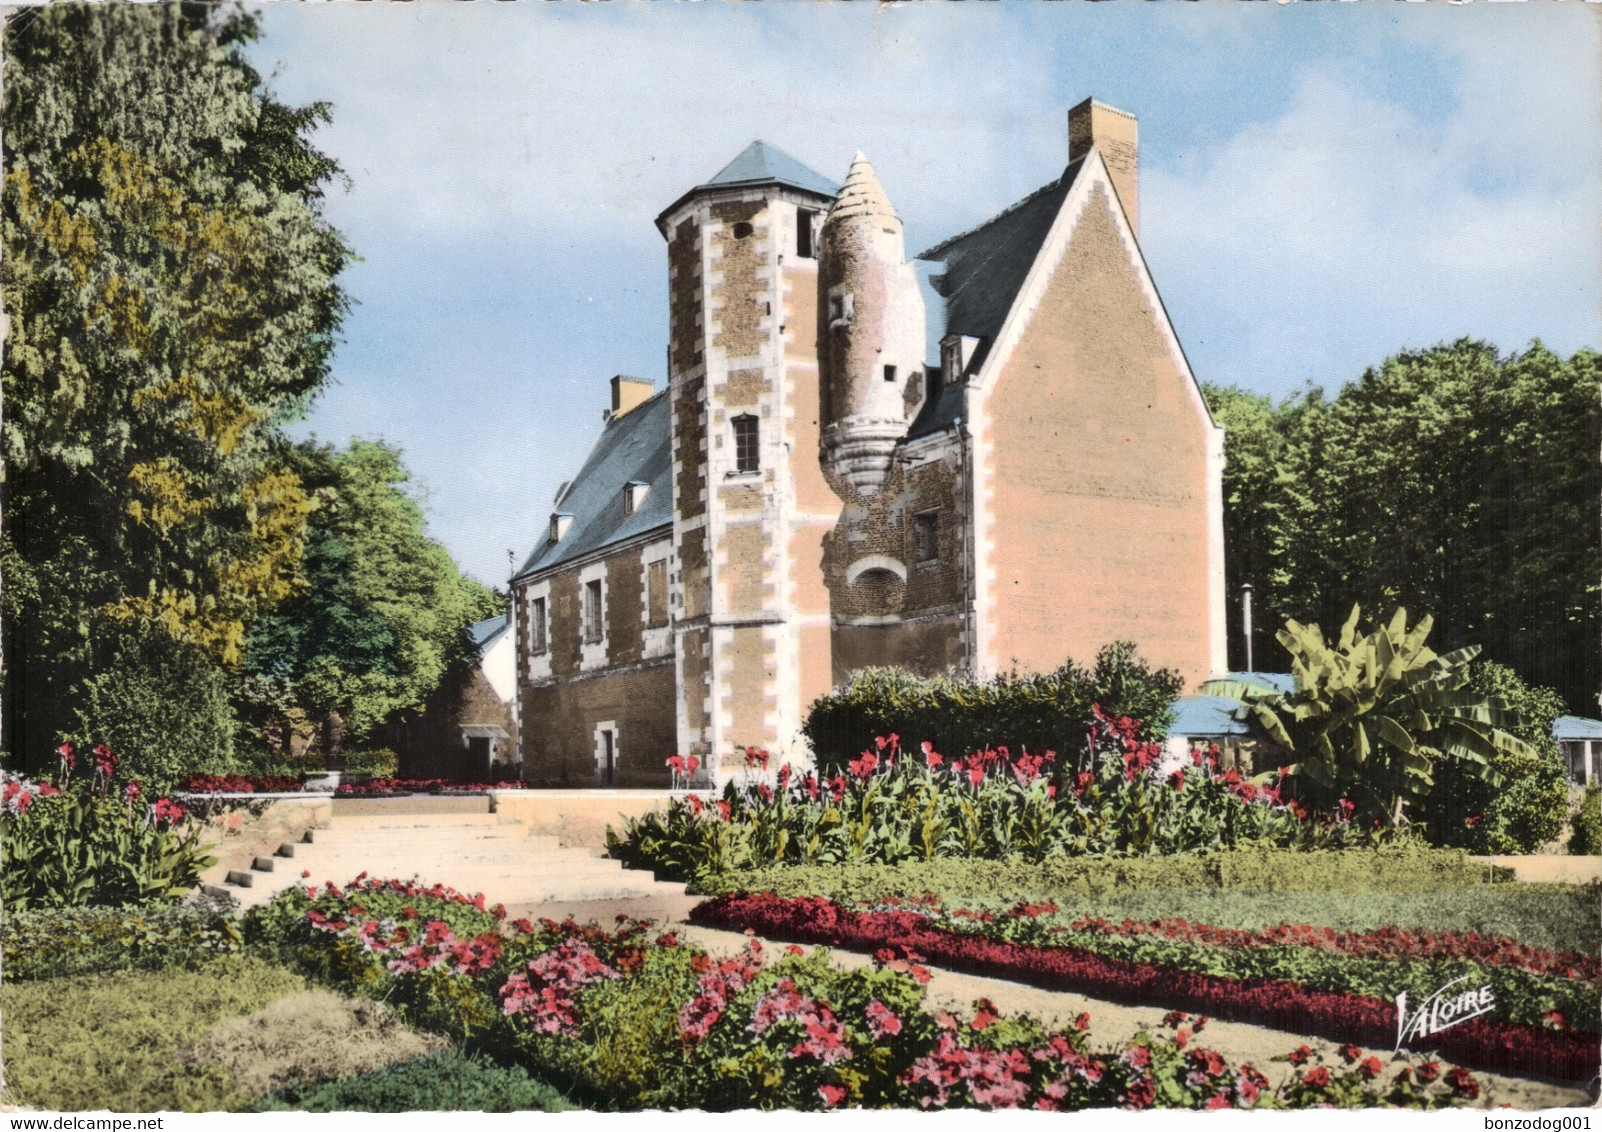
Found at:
<point>870,332</point>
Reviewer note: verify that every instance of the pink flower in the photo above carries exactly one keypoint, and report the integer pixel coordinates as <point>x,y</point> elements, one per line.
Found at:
<point>882,1021</point>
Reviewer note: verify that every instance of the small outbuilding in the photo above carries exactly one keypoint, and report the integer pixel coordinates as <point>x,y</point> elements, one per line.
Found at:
<point>1579,741</point>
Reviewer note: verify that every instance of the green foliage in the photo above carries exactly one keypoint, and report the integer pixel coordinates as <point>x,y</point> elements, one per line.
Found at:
<point>379,627</point>
<point>162,704</point>
<point>60,942</point>
<point>169,284</point>
<point>377,763</point>
<point>1548,916</point>
<point>1413,486</point>
<point>1527,809</point>
<point>1031,712</point>
<point>1403,869</point>
<point>1585,840</point>
<point>76,849</point>
<point>1378,716</point>
<point>446,1082</point>
<point>81,1044</point>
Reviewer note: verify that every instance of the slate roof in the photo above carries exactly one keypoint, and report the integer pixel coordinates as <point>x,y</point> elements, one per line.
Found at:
<point>1207,717</point>
<point>483,634</point>
<point>762,164</point>
<point>986,266</point>
<point>948,405</point>
<point>635,447</point>
<point>1570,727</point>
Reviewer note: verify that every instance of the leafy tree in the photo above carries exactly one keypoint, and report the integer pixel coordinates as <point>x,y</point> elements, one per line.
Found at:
<point>1453,479</point>
<point>1378,716</point>
<point>169,283</point>
<point>1528,808</point>
<point>380,622</point>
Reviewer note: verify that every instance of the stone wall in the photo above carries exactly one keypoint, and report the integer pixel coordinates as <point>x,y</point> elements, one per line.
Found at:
<point>560,721</point>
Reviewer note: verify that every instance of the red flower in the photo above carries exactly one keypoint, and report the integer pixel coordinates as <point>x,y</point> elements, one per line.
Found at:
<point>1177,781</point>
<point>1350,1053</point>
<point>690,764</point>
<point>1474,819</point>
<point>832,1094</point>
<point>1347,809</point>
<point>1317,1078</point>
<point>1371,1067</point>
<point>134,791</point>
<point>1428,1071</point>
<point>725,811</point>
<point>1299,1055</point>
<point>986,1015</point>
<point>837,788</point>
<point>1462,1082</point>
<point>862,768</point>
<point>695,805</point>
<point>930,756</point>
<point>1082,1023</point>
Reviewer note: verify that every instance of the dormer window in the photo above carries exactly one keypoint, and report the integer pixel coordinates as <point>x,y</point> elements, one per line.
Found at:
<point>634,493</point>
<point>560,522</point>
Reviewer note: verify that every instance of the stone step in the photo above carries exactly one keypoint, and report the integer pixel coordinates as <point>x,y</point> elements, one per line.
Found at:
<point>263,864</point>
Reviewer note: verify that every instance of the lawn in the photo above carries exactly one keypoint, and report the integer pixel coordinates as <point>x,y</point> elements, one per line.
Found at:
<point>111,1041</point>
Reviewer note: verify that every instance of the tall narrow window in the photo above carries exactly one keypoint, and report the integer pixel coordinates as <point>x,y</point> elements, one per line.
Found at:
<point>746,444</point>
<point>592,611</point>
<point>889,373</point>
<point>656,595</point>
<point>926,532</point>
<point>803,232</point>
<point>536,626</point>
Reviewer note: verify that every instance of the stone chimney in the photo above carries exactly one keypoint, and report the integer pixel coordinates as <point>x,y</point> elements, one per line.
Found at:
<point>629,393</point>
<point>1113,134</point>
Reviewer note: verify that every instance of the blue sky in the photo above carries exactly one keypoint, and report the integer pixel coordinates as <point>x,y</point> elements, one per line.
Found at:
<point>1321,186</point>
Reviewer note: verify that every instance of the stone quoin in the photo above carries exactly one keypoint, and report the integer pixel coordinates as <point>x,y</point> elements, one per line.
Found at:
<point>810,495</point>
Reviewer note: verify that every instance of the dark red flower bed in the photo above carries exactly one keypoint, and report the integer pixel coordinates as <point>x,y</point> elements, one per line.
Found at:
<point>1383,943</point>
<point>1482,1043</point>
<point>241,784</point>
<point>375,786</point>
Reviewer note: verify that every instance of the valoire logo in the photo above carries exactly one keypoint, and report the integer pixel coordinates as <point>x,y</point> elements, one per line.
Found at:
<point>1440,1011</point>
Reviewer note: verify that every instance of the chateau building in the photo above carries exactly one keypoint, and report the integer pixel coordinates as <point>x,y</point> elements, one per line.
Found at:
<point>808,497</point>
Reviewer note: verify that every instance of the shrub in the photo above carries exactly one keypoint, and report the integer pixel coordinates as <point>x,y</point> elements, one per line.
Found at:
<point>1406,868</point>
<point>1586,837</point>
<point>377,763</point>
<point>77,1044</point>
<point>84,847</point>
<point>1032,712</point>
<point>163,705</point>
<point>58,942</point>
<point>452,1081</point>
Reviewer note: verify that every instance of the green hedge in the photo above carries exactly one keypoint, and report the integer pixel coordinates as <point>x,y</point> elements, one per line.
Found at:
<point>1406,869</point>
<point>1585,838</point>
<point>83,941</point>
<point>447,1082</point>
<point>1037,712</point>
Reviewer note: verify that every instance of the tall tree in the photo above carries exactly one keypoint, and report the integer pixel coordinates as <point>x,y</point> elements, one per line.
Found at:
<point>170,285</point>
<point>381,620</point>
<point>1451,479</point>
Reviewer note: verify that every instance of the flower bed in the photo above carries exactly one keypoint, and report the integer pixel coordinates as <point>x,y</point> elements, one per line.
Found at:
<point>242,784</point>
<point>632,1018</point>
<point>1117,799</point>
<point>373,787</point>
<point>1483,1042</point>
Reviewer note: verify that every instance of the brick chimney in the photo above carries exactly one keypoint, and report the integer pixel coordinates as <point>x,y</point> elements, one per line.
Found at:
<point>629,393</point>
<point>1113,134</point>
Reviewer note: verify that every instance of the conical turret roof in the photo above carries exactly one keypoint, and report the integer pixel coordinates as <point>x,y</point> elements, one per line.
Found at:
<point>862,195</point>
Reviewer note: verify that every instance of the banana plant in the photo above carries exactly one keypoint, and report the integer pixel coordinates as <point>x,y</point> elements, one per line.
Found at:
<point>1377,715</point>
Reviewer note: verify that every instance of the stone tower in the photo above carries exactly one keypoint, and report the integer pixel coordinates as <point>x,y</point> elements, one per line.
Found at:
<point>751,505</point>
<point>870,332</point>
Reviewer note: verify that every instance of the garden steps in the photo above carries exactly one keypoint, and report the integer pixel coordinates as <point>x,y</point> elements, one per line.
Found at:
<point>470,851</point>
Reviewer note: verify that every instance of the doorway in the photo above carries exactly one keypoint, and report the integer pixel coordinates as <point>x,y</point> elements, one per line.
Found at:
<point>606,755</point>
